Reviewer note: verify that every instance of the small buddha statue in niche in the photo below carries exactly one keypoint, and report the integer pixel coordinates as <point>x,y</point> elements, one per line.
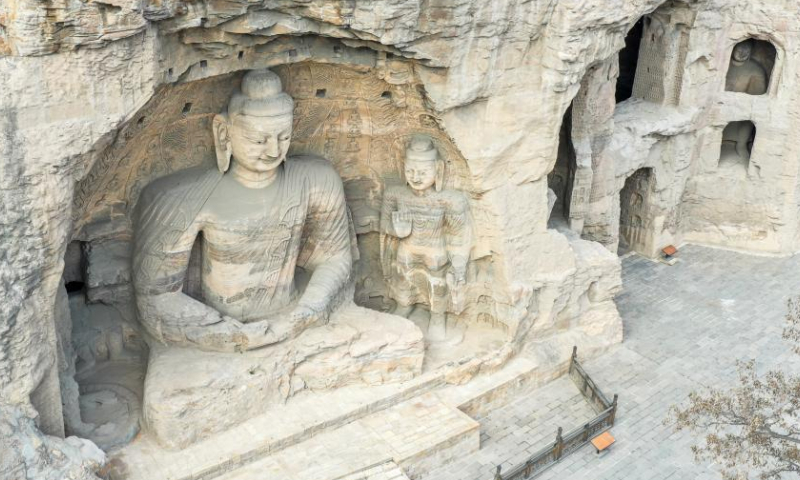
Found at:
<point>426,239</point>
<point>261,216</point>
<point>746,75</point>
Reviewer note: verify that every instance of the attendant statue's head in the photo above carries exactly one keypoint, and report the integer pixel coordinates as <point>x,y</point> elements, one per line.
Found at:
<point>424,168</point>
<point>742,51</point>
<point>256,130</point>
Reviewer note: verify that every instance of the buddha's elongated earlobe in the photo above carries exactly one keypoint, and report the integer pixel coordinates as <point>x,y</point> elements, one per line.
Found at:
<point>439,182</point>
<point>222,142</point>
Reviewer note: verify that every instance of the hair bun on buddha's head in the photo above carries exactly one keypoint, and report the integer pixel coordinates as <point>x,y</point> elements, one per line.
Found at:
<point>421,147</point>
<point>263,83</point>
<point>261,95</point>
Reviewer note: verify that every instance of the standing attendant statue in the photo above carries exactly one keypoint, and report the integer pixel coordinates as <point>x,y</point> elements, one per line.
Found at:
<point>426,239</point>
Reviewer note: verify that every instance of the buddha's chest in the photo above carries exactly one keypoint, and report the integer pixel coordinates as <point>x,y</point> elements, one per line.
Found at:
<point>239,228</point>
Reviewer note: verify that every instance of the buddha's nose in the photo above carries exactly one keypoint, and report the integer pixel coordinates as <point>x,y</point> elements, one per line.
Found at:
<point>271,149</point>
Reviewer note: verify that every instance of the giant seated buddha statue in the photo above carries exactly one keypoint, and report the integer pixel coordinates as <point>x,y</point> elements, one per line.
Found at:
<point>273,313</point>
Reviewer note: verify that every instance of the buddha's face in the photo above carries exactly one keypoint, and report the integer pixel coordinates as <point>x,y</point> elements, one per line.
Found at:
<point>742,52</point>
<point>260,144</point>
<point>420,174</point>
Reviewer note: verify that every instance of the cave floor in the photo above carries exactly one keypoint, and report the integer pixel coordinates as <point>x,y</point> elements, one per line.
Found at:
<point>685,327</point>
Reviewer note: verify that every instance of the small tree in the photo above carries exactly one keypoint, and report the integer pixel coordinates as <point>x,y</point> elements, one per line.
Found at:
<point>754,427</point>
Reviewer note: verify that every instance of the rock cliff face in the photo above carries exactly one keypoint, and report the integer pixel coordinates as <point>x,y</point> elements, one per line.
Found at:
<point>28,453</point>
<point>495,81</point>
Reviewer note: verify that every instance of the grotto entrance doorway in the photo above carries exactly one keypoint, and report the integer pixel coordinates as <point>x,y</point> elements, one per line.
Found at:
<point>561,179</point>
<point>628,61</point>
<point>635,234</point>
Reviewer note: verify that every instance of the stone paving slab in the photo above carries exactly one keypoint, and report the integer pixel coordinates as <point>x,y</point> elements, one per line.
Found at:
<point>685,327</point>
<point>511,434</point>
<point>384,471</point>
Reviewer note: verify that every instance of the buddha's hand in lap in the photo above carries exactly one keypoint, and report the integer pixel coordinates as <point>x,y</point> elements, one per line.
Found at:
<point>255,334</point>
<point>304,316</point>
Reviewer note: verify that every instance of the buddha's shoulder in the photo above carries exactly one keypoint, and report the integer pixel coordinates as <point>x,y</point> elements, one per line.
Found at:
<point>312,168</point>
<point>183,183</point>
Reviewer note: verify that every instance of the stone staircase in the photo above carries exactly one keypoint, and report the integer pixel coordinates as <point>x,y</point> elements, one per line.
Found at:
<point>415,436</point>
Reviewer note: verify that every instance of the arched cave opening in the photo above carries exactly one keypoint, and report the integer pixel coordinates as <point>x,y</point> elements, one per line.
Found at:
<point>74,276</point>
<point>750,67</point>
<point>737,144</point>
<point>628,61</point>
<point>348,116</point>
<point>635,202</point>
<point>561,179</point>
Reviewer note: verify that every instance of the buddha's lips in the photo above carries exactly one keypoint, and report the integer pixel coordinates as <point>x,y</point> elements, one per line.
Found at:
<point>268,159</point>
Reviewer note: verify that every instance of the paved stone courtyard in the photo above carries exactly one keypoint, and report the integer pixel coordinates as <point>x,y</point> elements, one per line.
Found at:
<point>685,327</point>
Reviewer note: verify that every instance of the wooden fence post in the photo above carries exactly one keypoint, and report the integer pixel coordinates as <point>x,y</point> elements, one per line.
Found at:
<point>605,419</point>
<point>573,358</point>
<point>559,447</point>
<point>498,475</point>
<point>614,409</point>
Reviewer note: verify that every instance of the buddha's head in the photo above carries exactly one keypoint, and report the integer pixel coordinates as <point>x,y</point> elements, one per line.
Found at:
<point>257,128</point>
<point>742,51</point>
<point>423,167</point>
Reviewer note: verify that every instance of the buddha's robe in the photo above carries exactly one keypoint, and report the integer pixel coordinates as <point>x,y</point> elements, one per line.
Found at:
<point>252,242</point>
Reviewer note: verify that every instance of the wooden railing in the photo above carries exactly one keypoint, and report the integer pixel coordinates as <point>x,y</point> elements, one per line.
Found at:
<point>590,391</point>
<point>575,439</point>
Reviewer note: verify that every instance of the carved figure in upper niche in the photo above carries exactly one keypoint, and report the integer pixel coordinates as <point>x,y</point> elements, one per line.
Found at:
<point>260,216</point>
<point>426,239</point>
<point>745,74</point>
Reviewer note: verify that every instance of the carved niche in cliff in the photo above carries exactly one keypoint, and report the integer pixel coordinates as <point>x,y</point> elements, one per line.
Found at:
<point>750,69</point>
<point>359,119</point>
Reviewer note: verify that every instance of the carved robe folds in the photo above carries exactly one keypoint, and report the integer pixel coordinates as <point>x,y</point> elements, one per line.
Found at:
<point>428,265</point>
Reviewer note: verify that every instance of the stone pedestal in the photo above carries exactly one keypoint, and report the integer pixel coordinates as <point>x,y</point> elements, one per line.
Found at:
<point>190,394</point>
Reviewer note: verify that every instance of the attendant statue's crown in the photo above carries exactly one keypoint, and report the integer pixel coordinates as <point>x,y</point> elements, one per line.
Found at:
<point>421,148</point>
<point>261,95</point>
